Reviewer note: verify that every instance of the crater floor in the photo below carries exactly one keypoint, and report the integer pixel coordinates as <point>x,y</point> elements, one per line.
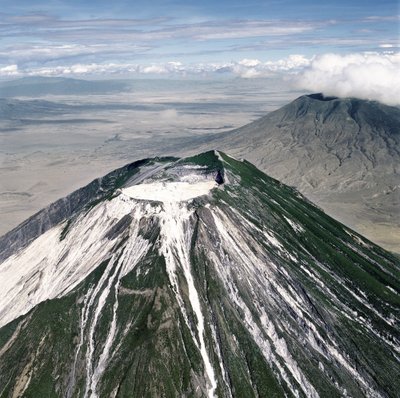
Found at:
<point>170,191</point>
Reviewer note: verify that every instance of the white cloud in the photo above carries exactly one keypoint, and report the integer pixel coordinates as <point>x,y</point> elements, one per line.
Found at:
<point>250,73</point>
<point>364,75</point>
<point>292,62</point>
<point>248,68</point>
<point>50,28</point>
<point>9,70</point>
<point>162,69</point>
<point>39,53</point>
<point>253,68</point>
<point>154,69</point>
<point>249,62</point>
<point>247,28</point>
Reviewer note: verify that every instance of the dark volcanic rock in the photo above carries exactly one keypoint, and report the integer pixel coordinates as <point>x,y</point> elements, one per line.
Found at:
<point>219,179</point>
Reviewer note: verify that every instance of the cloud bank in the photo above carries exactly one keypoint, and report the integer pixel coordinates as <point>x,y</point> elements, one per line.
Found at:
<point>372,76</point>
<point>248,68</point>
<point>369,75</point>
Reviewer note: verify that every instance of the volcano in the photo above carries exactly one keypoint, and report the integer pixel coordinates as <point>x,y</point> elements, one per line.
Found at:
<point>341,153</point>
<point>158,281</point>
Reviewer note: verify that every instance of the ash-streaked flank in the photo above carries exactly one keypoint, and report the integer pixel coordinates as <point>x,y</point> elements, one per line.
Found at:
<point>249,290</point>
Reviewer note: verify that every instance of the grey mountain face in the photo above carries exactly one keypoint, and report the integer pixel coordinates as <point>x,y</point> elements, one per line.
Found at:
<point>343,154</point>
<point>157,281</point>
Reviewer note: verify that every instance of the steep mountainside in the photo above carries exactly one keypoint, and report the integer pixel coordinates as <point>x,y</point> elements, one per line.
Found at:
<point>343,154</point>
<point>156,281</point>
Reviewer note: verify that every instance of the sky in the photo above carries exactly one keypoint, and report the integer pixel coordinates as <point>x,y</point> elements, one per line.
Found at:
<point>326,44</point>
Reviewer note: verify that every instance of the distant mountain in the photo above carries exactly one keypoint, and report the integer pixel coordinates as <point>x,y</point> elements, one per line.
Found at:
<point>40,86</point>
<point>12,109</point>
<point>343,154</point>
<point>156,281</point>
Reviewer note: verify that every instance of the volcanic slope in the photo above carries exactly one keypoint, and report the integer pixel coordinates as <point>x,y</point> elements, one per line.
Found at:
<point>156,281</point>
<point>342,153</point>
